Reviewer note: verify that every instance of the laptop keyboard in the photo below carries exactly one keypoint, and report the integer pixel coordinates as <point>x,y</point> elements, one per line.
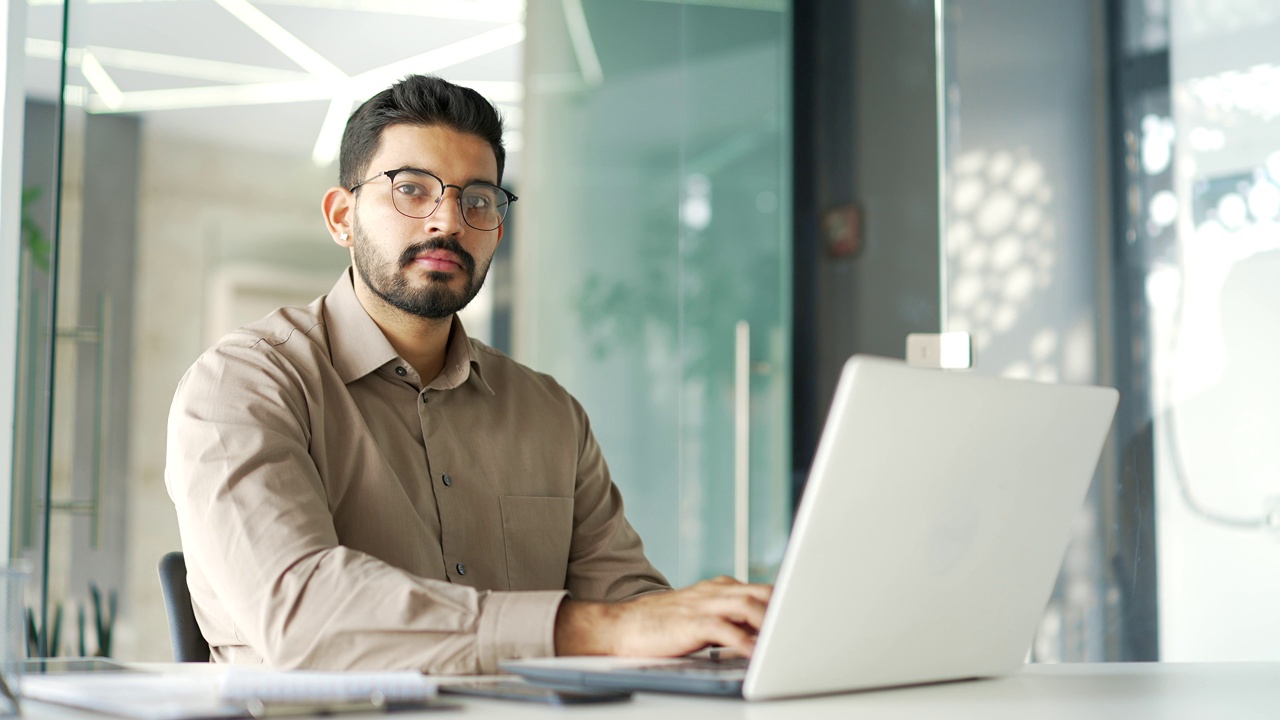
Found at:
<point>699,666</point>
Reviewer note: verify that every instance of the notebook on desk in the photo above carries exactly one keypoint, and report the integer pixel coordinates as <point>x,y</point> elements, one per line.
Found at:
<point>925,547</point>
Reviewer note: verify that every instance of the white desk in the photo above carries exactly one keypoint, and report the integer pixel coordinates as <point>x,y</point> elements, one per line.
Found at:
<point>1199,691</point>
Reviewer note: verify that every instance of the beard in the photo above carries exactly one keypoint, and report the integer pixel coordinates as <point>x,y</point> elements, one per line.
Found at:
<point>437,300</point>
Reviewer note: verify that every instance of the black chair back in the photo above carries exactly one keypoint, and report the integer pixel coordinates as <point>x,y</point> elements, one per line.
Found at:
<point>188,644</point>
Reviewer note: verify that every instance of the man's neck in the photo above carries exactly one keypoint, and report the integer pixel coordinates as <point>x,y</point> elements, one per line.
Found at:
<point>422,342</point>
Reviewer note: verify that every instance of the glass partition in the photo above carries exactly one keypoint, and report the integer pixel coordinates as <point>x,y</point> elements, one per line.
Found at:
<point>199,138</point>
<point>646,266</point>
<point>1020,103</point>
<point>1167,291</point>
<point>653,272</point>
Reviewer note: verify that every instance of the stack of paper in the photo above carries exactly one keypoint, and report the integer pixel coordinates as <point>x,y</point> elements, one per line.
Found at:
<point>181,695</point>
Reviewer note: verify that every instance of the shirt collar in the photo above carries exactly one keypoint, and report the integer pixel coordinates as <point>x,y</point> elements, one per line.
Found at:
<point>358,347</point>
<point>461,362</point>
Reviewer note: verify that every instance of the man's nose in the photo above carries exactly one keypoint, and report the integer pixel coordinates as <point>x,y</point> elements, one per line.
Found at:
<point>447,218</point>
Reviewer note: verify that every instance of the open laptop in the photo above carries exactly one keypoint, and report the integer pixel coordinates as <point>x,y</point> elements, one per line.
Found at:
<point>926,545</point>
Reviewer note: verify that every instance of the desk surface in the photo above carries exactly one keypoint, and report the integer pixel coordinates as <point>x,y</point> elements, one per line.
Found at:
<point>1130,690</point>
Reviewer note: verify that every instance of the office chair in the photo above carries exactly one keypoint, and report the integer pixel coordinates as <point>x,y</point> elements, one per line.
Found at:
<point>188,644</point>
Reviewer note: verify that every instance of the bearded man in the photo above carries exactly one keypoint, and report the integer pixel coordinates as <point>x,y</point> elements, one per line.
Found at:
<point>359,485</point>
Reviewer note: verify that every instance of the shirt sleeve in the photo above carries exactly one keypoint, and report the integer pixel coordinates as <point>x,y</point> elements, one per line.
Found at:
<point>261,546</point>
<point>606,557</point>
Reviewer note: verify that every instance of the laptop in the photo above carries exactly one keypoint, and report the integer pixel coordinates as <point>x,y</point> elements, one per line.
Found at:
<point>925,548</point>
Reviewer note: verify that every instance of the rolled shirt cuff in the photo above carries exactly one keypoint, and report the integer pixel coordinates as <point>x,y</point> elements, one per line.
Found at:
<point>518,625</point>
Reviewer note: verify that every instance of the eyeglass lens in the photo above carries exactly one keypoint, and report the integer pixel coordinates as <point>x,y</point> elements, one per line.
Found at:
<point>417,195</point>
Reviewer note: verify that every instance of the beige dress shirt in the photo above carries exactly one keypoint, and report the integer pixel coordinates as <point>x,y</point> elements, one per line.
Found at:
<point>336,512</point>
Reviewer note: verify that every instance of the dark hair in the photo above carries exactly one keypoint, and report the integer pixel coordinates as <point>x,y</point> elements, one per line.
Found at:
<point>416,100</point>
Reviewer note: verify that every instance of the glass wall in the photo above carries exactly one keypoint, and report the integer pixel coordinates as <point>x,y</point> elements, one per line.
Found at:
<point>1021,112</point>
<point>646,265</point>
<point>1164,287</point>
<point>655,261</point>
<point>199,138</point>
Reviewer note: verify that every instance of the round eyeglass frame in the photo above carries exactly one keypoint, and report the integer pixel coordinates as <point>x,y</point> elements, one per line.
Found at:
<point>391,176</point>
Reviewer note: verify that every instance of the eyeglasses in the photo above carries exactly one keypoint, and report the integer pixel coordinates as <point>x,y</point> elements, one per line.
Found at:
<point>418,193</point>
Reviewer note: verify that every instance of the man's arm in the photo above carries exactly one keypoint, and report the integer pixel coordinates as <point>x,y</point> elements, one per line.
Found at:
<point>721,611</point>
<point>256,524</point>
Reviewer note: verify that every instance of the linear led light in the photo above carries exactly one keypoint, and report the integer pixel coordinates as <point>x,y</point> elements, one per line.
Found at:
<point>494,11</point>
<point>43,49</point>
<point>583,47</point>
<point>497,11</point>
<point>163,64</point>
<point>218,96</point>
<point>329,140</point>
<point>367,83</point>
<point>195,68</point>
<point>100,81</point>
<point>283,40</point>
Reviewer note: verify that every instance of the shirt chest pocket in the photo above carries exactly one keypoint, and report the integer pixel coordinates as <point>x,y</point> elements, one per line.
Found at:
<point>536,533</point>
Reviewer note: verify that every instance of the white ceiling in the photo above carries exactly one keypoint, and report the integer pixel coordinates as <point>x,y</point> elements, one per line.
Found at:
<point>278,75</point>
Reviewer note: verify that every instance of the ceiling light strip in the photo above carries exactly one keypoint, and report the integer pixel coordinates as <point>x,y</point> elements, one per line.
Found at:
<point>330,137</point>
<point>432,61</point>
<point>283,40</point>
<point>583,47</point>
<point>494,11</point>
<point>194,68</point>
<point>101,82</point>
<point>218,96</point>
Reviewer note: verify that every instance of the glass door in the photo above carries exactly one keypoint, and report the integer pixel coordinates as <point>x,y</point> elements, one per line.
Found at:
<point>654,262</point>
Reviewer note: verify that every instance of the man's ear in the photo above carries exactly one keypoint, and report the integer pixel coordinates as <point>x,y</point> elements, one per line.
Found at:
<point>338,208</point>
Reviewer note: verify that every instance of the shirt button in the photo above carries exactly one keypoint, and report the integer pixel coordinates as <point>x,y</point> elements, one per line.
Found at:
<point>401,371</point>
<point>425,399</point>
<point>462,569</point>
<point>446,480</point>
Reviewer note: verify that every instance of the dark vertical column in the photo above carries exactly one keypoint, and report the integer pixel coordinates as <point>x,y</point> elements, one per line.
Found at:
<point>1131,534</point>
<point>865,148</point>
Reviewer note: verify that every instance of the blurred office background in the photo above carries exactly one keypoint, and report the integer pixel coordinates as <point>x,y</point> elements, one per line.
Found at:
<point>720,201</point>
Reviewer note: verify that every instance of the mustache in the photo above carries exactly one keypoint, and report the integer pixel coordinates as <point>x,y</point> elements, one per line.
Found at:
<point>447,244</point>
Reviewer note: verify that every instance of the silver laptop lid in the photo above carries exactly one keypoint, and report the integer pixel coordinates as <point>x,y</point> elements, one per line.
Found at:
<point>931,531</point>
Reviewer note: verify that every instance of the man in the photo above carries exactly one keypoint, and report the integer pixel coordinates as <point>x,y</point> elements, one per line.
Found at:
<point>360,485</point>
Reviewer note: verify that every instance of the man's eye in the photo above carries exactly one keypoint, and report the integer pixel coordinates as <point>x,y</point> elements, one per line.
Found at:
<point>409,189</point>
<point>477,202</point>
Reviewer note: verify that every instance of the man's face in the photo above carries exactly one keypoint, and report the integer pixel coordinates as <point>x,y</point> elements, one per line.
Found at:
<point>430,267</point>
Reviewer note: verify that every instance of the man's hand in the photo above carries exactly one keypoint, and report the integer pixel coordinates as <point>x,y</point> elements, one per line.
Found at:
<point>721,611</point>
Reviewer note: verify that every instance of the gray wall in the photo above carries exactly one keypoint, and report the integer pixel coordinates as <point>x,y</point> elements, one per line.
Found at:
<point>866,137</point>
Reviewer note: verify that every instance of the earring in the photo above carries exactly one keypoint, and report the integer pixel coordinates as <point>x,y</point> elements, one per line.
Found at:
<point>344,237</point>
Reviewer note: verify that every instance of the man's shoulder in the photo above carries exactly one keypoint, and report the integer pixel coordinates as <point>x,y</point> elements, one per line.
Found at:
<point>281,326</point>
<point>289,337</point>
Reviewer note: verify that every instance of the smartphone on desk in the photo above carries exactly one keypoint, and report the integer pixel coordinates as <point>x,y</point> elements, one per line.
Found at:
<point>504,689</point>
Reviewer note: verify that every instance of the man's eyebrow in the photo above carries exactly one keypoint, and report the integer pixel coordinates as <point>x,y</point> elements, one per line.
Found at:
<point>411,168</point>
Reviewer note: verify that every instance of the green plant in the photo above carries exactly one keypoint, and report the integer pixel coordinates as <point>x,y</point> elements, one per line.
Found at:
<point>104,621</point>
<point>32,236</point>
<point>53,643</point>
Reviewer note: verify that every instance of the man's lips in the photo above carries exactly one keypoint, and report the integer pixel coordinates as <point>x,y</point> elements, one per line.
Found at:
<point>440,260</point>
